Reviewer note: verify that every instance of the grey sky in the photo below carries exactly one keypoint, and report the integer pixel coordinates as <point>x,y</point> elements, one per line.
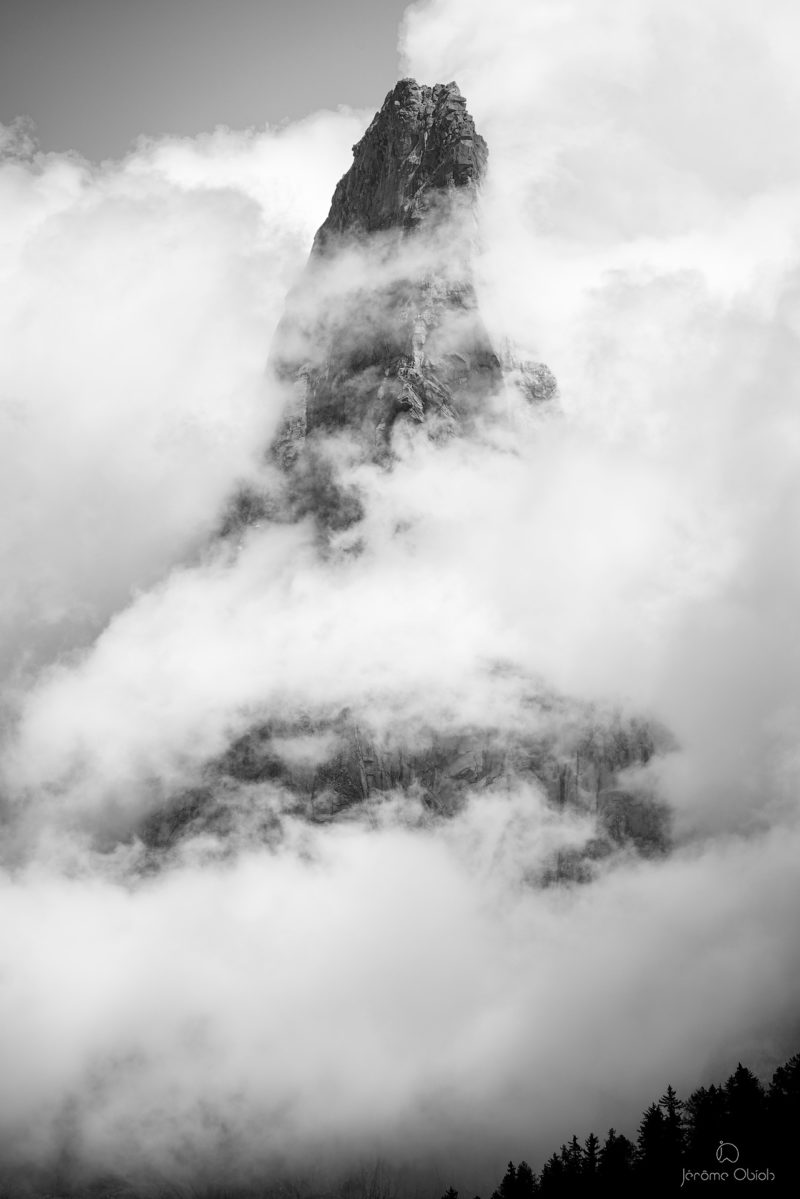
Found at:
<point>93,74</point>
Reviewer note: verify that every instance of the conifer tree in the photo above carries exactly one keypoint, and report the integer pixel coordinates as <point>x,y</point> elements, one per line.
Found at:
<point>650,1148</point>
<point>615,1164</point>
<point>674,1128</point>
<point>552,1180</point>
<point>746,1111</point>
<point>783,1098</point>
<point>508,1187</point>
<point>783,1111</point>
<point>591,1155</point>
<point>573,1160</point>
<point>526,1182</point>
<point>705,1114</point>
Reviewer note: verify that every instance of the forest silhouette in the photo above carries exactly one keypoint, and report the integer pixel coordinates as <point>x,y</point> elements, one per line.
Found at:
<point>739,1133</point>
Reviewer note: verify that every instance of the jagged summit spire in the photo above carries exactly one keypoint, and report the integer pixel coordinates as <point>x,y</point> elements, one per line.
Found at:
<point>383,330</point>
<point>384,325</point>
<point>422,140</point>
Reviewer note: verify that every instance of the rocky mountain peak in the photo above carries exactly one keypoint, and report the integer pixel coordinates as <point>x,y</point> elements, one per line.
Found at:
<point>384,328</point>
<point>383,331</point>
<point>421,141</point>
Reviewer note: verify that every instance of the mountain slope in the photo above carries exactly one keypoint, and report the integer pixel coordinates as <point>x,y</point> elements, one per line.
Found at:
<point>382,338</point>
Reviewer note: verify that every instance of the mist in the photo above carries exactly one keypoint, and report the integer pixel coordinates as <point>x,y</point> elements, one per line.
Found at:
<point>270,992</point>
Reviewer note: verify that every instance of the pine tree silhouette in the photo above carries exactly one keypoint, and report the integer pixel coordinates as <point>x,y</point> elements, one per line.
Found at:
<point>508,1187</point>
<point>651,1164</point>
<point>783,1113</point>
<point>705,1112</point>
<point>552,1180</point>
<point>591,1162</point>
<point>615,1164</point>
<point>572,1156</point>
<point>526,1182</point>
<point>674,1133</point>
<point>746,1112</point>
<point>784,1090</point>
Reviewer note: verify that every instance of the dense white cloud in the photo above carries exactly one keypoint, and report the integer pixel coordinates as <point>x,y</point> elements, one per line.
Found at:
<point>269,994</point>
<point>138,299</point>
<point>390,983</point>
<point>396,988</point>
<point>640,228</point>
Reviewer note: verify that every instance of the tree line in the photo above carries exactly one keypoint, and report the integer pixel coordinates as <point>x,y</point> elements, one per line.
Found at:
<point>736,1133</point>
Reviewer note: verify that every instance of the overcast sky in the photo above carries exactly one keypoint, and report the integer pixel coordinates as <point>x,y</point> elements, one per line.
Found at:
<point>94,74</point>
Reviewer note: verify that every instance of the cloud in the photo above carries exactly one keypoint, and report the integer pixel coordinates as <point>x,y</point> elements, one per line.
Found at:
<point>138,302</point>
<point>393,982</point>
<point>397,988</point>
<point>639,228</point>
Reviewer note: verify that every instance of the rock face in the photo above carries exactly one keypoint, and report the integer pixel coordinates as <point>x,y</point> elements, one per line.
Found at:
<point>384,326</point>
<point>383,330</point>
<point>422,142</point>
<point>576,763</point>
